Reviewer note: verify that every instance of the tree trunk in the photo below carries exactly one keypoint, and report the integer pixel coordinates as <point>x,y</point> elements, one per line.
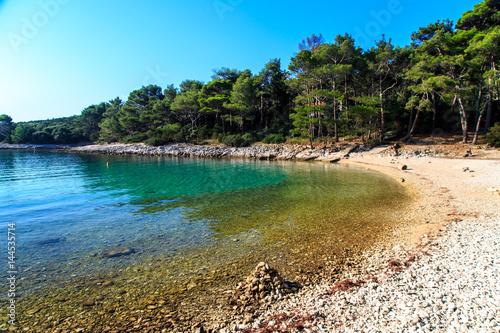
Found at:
<point>382,116</point>
<point>434,114</point>
<point>261,110</point>
<point>311,133</point>
<point>479,119</point>
<point>479,95</point>
<point>488,113</point>
<point>320,128</point>
<point>463,119</point>
<point>335,127</point>
<point>410,123</point>
<point>410,132</point>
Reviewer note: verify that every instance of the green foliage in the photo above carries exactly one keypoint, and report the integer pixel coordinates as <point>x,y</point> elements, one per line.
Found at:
<point>42,137</point>
<point>274,138</point>
<point>426,33</point>
<point>484,16</point>
<point>235,140</point>
<point>493,136</point>
<point>22,133</point>
<point>446,79</point>
<point>242,101</point>
<point>6,126</point>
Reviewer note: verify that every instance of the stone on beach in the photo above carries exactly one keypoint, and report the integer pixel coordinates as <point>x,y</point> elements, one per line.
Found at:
<point>264,285</point>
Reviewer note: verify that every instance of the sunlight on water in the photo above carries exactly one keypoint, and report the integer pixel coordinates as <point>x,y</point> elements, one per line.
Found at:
<point>183,217</point>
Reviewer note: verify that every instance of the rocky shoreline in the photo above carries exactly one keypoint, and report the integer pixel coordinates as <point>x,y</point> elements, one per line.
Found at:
<point>258,152</point>
<point>292,152</point>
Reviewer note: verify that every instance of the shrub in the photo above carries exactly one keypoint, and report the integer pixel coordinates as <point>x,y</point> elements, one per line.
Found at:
<point>274,138</point>
<point>204,133</point>
<point>248,137</point>
<point>136,138</point>
<point>234,141</point>
<point>41,137</point>
<point>374,142</point>
<point>155,141</point>
<point>216,131</point>
<point>493,136</point>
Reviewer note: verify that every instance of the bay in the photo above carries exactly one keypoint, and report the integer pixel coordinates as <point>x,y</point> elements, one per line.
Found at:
<point>184,219</point>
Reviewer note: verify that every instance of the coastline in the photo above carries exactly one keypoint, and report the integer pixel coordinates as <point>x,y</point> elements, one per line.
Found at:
<point>257,152</point>
<point>446,198</point>
<point>420,278</point>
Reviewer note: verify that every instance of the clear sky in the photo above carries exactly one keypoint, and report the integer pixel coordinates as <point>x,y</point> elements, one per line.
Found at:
<point>59,56</point>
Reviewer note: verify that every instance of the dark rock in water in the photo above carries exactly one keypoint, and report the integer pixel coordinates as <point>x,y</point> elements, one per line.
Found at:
<point>89,302</point>
<point>118,251</point>
<point>50,241</point>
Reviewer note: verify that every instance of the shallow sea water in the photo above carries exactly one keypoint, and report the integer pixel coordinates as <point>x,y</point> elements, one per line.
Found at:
<point>185,218</point>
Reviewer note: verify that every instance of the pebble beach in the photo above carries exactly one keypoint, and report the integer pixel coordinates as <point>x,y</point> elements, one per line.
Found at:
<point>441,275</point>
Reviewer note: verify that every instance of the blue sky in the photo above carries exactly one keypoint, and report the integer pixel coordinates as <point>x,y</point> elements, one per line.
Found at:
<point>60,56</point>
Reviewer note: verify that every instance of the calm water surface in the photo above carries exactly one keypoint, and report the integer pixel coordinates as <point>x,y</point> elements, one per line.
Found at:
<point>183,217</point>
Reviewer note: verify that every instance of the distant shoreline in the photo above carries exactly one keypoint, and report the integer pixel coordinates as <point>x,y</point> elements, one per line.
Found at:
<point>256,152</point>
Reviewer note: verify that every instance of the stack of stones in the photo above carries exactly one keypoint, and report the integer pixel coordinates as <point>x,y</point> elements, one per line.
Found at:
<point>263,286</point>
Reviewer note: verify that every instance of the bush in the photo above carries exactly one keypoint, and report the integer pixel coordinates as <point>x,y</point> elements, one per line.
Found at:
<point>216,131</point>
<point>374,142</point>
<point>274,138</point>
<point>234,141</point>
<point>493,136</point>
<point>136,138</point>
<point>248,137</point>
<point>42,137</point>
<point>204,133</point>
<point>155,141</point>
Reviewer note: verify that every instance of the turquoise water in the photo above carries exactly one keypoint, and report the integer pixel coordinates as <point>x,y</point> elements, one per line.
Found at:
<point>67,205</point>
<point>192,215</point>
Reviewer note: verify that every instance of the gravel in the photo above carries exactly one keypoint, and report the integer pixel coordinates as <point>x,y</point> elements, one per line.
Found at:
<point>455,288</point>
<point>447,283</point>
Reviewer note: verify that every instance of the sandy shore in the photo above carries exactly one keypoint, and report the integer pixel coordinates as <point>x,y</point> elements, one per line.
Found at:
<point>438,272</point>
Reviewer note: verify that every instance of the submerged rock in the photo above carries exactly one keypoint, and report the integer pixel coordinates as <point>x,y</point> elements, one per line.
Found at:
<point>50,241</point>
<point>88,302</point>
<point>118,251</point>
